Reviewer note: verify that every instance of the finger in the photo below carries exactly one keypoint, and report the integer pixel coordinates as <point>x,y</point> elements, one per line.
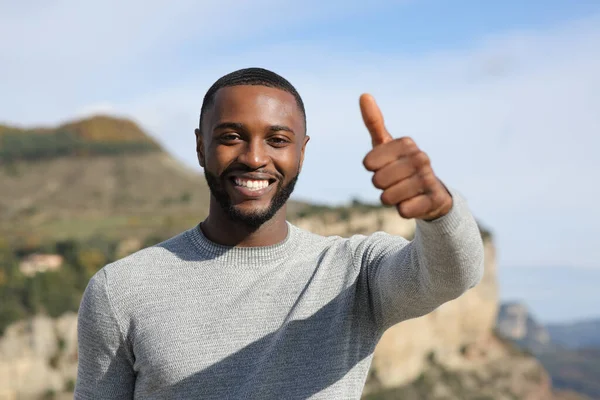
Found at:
<point>427,206</point>
<point>373,119</point>
<point>416,207</point>
<point>383,155</point>
<point>394,172</point>
<point>403,190</point>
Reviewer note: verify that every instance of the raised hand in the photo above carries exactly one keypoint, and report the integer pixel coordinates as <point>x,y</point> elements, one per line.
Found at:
<point>402,170</point>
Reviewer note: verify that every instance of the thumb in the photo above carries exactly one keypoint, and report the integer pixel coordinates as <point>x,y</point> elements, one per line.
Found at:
<point>373,119</point>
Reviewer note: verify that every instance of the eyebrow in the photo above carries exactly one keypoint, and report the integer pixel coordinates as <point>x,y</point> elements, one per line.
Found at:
<point>277,128</point>
<point>240,126</point>
<point>229,125</point>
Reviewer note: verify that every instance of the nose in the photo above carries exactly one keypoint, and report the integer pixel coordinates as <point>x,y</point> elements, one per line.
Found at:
<point>254,155</point>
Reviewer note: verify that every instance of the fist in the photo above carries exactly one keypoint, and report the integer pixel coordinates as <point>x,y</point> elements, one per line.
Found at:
<point>402,171</point>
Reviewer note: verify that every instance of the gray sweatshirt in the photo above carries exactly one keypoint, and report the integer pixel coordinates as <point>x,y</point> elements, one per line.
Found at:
<point>191,319</point>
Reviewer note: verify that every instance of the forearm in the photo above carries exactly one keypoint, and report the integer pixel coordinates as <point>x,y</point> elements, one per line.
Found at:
<point>450,252</point>
<point>444,259</point>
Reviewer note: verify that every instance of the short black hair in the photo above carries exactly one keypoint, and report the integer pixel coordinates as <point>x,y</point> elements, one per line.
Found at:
<point>251,76</point>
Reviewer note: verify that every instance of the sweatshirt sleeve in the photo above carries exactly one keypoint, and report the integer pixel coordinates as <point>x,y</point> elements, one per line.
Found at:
<point>408,279</point>
<point>105,366</point>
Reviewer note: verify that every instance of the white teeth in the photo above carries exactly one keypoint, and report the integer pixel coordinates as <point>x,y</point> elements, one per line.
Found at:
<point>252,184</point>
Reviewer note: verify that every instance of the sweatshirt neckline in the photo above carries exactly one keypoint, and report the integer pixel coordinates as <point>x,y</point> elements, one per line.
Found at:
<point>255,256</point>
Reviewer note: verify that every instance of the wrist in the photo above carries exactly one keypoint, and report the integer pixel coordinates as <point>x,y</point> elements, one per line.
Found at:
<point>444,209</point>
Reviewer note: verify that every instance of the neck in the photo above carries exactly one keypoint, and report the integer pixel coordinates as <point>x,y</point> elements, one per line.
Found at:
<point>220,229</point>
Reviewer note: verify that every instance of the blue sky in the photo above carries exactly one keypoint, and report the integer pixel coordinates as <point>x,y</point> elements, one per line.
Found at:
<point>502,95</point>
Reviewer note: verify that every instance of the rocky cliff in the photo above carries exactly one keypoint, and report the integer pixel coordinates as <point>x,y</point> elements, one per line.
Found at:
<point>38,358</point>
<point>451,353</point>
<point>516,323</point>
<point>565,350</point>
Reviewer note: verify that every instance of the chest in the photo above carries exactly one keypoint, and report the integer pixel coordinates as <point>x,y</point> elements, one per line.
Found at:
<point>249,330</point>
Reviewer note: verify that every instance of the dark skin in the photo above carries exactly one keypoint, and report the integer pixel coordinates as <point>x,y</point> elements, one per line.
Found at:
<point>253,128</point>
<point>402,171</point>
<point>257,128</point>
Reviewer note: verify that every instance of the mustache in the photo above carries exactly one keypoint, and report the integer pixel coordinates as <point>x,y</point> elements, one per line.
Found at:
<point>240,168</point>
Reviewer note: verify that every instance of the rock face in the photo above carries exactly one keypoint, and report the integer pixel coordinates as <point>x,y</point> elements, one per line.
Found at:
<point>503,374</point>
<point>571,368</point>
<point>38,357</point>
<point>516,323</point>
<point>384,219</point>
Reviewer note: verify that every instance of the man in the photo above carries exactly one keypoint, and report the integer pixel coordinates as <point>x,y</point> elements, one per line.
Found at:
<point>248,306</point>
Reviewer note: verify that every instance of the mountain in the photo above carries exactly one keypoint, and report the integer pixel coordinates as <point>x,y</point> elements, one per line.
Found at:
<point>577,364</point>
<point>91,136</point>
<point>566,351</point>
<point>576,335</point>
<point>576,370</point>
<point>515,322</point>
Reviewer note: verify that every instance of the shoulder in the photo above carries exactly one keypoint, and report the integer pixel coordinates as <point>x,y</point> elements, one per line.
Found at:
<point>355,244</point>
<point>147,261</point>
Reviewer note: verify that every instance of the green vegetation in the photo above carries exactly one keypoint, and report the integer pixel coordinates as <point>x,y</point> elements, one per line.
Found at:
<point>343,212</point>
<point>438,382</point>
<point>576,370</point>
<point>70,386</point>
<point>50,394</point>
<point>33,146</point>
<point>98,135</point>
<point>54,292</point>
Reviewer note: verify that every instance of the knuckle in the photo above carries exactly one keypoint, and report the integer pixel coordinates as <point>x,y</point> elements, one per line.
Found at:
<point>419,183</point>
<point>424,180</point>
<point>422,158</point>
<point>427,180</point>
<point>407,141</point>
<point>419,160</point>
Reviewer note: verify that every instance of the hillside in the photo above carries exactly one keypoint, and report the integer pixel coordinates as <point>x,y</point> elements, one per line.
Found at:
<point>91,136</point>
<point>82,196</point>
<point>516,323</point>
<point>566,350</point>
<point>576,370</point>
<point>576,335</point>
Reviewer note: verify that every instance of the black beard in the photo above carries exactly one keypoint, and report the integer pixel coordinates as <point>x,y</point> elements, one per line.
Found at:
<point>255,219</point>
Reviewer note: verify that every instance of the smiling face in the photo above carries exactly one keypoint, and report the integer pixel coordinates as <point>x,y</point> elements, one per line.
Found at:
<point>251,147</point>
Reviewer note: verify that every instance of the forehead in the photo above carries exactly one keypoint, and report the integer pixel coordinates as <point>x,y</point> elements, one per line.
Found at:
<point>255,103</point>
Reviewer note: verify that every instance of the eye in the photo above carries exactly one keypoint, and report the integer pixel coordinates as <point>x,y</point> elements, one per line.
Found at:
<point>278,141</point>
<point>229,137</point>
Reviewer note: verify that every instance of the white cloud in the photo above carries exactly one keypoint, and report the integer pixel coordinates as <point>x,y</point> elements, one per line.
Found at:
<point>61,53</point>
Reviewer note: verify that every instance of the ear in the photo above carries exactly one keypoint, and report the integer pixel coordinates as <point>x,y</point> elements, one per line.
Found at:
<point>200,147</point>
<point>306,139</point>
